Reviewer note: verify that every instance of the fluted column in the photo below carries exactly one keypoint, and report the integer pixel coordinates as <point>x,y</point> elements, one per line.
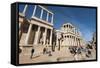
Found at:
<point>25,9</point>
<point>41,14</point>
<point>51,37</point>
<point>44,36</point>
<point>34,10</point>
<point>47,17</point>
<point>75,41</point>
<point>57,39</point>
<point>28,34</point>
<point>37,36</point>
<point>52,18</point>
<point>79,43</point>
<point>70,40</point>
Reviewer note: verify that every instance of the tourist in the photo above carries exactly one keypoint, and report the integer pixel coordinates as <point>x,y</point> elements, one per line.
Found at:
<point>44,50</point>
<point>32,51</point>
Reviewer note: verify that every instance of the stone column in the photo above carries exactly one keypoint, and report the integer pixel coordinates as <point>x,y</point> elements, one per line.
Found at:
<point>34,10</point>
<point>37,36</point>
<point>44,36</point>
<point>75,41</point>
<point>25,9</point>
<point>81,42</point>
<point>74,30</point>
<point>69,41</point>
<point>19,31</point>
<point>68,28</point>
<point>47,17</point>
<point>52,19</point>
<point>19,25</point>
<point>51,37</point>
<point>72,41</point>
<point>41,13</point>
<point>57,39</point>
<point>28,34</point>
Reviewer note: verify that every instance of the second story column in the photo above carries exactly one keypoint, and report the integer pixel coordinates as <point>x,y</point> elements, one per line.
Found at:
<point>25,9</point>
<point>52,18</point>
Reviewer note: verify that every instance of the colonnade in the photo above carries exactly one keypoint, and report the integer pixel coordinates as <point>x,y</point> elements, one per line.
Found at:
<point>45,38</point>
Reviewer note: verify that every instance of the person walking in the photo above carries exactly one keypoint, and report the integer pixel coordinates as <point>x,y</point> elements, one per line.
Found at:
<point>32,52</point>
<point>44,50</point>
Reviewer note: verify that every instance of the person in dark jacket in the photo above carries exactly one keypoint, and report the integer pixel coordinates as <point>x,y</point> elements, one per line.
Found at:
<point>32,52</point>
<point>44,50</point>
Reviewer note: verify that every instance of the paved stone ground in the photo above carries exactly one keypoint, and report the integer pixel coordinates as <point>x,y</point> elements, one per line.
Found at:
<point>62,55</point>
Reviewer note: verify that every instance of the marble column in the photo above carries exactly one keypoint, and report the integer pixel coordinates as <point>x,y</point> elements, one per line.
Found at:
<point>69,40</point>
<point>72,41</point>
<point>25,9</point>
<point>74,30</point>
<point>28,34</point>
<point>51,37</point>
<point>52,18</point>
<point>79,43</point>
<point>19,28</point>
<point>19,25</point>
<point>44,36</point>
<point>68,29</point>
<point>47,17</point>
<point>57,40</point>
<point>37,36</point>
<point>34,10</point>
<point>75,41</point>
<point>41,14</point>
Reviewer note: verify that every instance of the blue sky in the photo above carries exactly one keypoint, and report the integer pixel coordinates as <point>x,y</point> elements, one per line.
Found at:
<point>83,18</point>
